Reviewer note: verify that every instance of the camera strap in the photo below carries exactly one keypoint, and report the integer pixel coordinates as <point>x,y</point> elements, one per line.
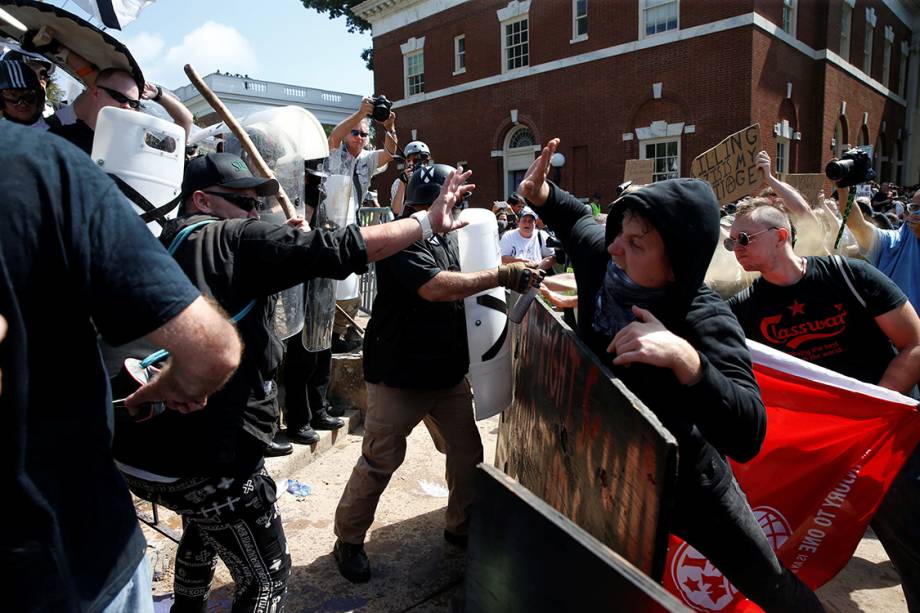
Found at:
<point>357,182</point>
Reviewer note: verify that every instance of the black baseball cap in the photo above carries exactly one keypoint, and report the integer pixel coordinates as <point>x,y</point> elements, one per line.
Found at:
<point>224,170</point>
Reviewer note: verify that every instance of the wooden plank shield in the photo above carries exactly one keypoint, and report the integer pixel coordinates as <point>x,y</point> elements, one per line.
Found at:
<point>525,556</point>
<point>584,444</point>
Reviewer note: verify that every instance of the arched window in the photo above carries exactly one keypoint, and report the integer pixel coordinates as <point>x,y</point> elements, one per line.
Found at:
<point>518,154</point>
<point>839,142</point>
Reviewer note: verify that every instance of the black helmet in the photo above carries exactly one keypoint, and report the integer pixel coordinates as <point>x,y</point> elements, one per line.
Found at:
<point>425,184</point>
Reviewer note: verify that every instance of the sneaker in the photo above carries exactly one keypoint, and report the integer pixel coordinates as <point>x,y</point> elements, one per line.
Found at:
<point>457,540</point>
<point>352,561</point>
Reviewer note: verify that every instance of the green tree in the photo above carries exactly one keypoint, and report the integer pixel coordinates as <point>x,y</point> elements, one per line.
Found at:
<point>343,8</point>
<point>54,94</point>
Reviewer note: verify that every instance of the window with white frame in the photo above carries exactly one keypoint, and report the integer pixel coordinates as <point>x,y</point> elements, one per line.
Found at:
<point>789,16</point>
<point>459,54</point>
<point>846,27</point>
<point>902,69</point>
<point>782,155</point>
<point>579,20</point>
<point>868,41</point>
<point>666,154</point>
<point>658,16</point>
<point>415,72</point>
<point>516,47</point>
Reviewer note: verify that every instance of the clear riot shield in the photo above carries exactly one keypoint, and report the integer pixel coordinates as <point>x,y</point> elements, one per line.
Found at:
<point>342,213</point>
<point>285,137</point>
<point>320,299</point>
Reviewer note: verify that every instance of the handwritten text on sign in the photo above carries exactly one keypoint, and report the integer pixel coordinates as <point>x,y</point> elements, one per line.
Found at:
<point>729,166</point>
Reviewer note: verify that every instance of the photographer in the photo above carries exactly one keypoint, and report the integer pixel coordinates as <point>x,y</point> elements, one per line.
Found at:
<point>351,166</point>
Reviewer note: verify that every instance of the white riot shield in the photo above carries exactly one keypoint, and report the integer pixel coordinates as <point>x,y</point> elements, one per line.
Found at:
<point>145,152</point>
<point>487,333</point>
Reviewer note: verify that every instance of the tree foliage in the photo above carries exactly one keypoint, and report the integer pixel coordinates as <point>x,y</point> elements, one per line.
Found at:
<point>342,8</point>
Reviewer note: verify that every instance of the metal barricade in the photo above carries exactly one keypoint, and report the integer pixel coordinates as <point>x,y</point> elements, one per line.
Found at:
<point>369,216</point>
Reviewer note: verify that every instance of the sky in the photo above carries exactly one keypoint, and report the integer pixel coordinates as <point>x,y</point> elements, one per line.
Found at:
<point>272,40</point>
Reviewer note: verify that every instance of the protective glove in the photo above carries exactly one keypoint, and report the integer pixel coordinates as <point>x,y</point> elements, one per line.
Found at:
<point>519,276</point>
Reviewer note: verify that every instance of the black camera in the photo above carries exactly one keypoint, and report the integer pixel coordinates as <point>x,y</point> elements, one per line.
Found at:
<point>853,167</point>
<point>382,107</point>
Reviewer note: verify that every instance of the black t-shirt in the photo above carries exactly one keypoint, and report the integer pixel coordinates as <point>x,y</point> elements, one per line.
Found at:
<point>77,133</point>
<point>74,259</point>
<point>819,320</point>
<point>237,261</point>
<point>410,342</point>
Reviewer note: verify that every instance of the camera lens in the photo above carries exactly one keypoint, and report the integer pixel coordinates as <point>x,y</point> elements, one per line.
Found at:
<point>838,169</point>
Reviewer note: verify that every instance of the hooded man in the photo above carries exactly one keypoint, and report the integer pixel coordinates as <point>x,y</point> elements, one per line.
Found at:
<point>641,298</point>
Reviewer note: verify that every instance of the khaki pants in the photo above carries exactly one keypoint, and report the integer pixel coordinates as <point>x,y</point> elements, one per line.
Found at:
<point>391,415</point>
<point>340,324</point>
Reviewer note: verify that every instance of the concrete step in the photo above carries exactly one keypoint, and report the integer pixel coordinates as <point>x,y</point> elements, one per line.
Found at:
<point>282,467</point>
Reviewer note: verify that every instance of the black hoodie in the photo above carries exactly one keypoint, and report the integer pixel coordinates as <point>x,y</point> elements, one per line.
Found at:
<point>722,413</point>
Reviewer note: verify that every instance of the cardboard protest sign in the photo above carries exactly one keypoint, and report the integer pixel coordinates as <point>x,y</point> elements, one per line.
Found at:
<point>809,185</point>
<point>729,166</point>
<point>639,171</point>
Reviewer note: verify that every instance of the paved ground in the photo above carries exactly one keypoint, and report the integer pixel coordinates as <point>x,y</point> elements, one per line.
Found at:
<point>414,569</point>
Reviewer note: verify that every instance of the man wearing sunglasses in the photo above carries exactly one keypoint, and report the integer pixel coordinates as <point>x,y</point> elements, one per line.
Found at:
<point>118,88</point>
<point>21,95</point>
<point>351,166</point>
<point>843,314</point>
<point>210,468</point>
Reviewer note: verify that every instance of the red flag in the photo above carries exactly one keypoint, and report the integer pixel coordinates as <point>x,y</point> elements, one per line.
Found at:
<point>833,447</point>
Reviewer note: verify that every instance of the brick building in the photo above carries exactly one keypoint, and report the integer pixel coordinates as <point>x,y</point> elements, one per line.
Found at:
<point>486,82</point>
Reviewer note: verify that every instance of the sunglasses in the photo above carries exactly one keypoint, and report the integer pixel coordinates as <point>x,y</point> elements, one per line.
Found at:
<point>744,239</point>
<point>247,203</point>
<point>29,97</point>
<point>120,98</point>
<point>913,208</point>
<point>359,133</point>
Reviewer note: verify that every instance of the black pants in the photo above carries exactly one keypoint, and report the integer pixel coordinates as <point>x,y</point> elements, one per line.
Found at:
<point>235,519</point>
<point>306,381</point>
<point>717,521</point>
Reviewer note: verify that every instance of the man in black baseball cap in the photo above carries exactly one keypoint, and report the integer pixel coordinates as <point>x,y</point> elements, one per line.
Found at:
<point>221,184</point>
<point>208,466</point>
<point>21,95</point>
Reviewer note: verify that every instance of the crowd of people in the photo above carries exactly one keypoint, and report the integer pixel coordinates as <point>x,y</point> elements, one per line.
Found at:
<point>645,304</point>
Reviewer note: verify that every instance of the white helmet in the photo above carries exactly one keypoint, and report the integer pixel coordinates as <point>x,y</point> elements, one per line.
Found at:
<point>416,147</point>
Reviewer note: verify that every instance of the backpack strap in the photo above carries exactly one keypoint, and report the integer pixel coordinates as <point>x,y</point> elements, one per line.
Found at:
<point>843,267</point>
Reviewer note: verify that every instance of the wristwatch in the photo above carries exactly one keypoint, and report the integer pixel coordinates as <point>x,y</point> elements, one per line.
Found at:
<point>422,218</point>
<point>159,94</point>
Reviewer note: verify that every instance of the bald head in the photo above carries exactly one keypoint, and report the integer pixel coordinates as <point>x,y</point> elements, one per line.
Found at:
<point>113,87</point>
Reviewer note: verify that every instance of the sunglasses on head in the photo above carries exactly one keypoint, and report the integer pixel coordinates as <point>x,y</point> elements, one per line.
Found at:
<point>744,239</point>
<point>359,133</point>
<point>247,203</point>
<point>120,98</point>
<point>29,97</point>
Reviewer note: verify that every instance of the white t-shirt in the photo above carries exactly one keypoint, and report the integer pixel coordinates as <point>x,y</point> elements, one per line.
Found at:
<point>532,249</point>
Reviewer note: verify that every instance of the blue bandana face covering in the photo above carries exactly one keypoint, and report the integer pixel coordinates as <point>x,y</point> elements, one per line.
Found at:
<point>615,298</point>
